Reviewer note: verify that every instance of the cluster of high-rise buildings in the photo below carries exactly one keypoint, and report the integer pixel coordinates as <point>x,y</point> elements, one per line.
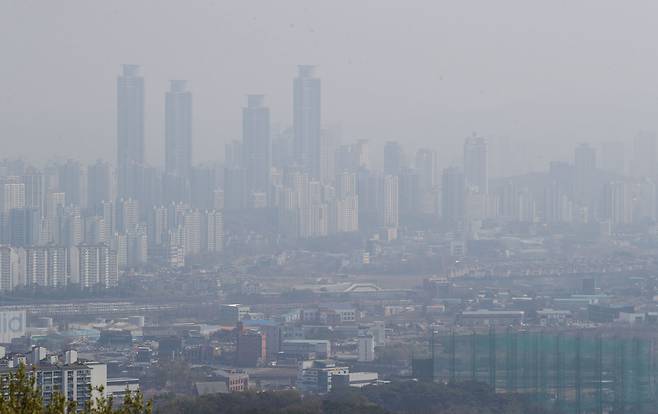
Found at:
<point>594,189</point>
<point>303,175</point>
<point>69,223</point>
<point>47,242</point>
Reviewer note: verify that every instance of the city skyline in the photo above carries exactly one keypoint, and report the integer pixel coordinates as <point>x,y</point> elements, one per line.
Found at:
<point>555,96</point>
<point>374,206</point>
<point>630,155</point>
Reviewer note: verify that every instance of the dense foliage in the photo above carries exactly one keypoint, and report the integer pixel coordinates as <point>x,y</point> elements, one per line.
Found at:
<point>401,397</point>
<point>433,398</point>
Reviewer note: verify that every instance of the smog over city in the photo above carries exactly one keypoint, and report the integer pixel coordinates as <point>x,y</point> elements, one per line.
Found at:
<point>326,207</point>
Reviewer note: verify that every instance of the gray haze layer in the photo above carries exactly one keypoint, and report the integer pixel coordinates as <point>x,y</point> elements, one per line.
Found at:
<point>426,73</point>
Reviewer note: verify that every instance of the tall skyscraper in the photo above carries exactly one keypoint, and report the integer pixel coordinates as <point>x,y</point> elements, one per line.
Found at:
<point>476,165</point>
<point>178,143</point>
<point>178,129</point>
<point>256,145</point>
<point>130,131</point>
<point>307,121</point>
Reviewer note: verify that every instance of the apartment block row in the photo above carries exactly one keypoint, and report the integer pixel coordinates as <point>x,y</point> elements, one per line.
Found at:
<point>54,267</point>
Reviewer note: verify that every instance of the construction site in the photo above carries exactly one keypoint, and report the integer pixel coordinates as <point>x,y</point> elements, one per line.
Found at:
<point>570,371</point>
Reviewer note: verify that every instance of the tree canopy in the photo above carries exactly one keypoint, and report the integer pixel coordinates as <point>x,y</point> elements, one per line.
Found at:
<point>395,398</point>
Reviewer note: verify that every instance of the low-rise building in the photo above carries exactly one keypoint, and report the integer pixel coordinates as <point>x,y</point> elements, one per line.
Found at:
<point>252,347</point>
<point>235,380</point>
<point>321,348</point>
<point>117,388</point>
<point>491,317</point>
<point>355,379</point>
<point>316,376</point>
<point>231,314</point>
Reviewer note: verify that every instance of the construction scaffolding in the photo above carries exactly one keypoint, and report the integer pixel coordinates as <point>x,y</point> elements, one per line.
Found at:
<point>578,372</point>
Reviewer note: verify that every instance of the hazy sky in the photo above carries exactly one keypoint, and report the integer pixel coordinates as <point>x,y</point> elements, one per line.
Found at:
<point>426,73</point>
